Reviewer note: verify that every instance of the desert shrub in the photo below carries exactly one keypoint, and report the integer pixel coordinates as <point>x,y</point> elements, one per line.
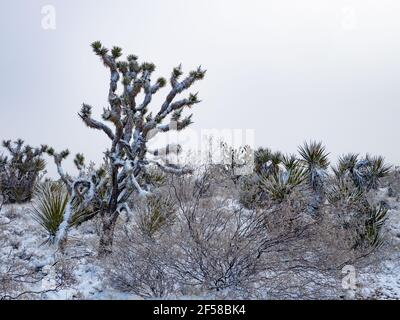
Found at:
<point>265,245</point>
<point>20,172</point>
<point>218,247</point>
<point>138,265</point>
<point>250,192</point>
<point>213,245</point>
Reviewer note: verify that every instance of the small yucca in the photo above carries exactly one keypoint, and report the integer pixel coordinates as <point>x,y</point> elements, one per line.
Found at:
<point>266,161</point>
<point>377,170</point>
<point>282,183</point>
<point>315,160</point>
<point>51,200</point>
<point>290,161</point>
<point>376,217</point>
<point>155,212</point>
<point>347,162</point>
<point>365,172</point>
<point>341,190</point>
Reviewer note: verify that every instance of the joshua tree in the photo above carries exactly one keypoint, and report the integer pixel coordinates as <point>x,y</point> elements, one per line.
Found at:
<point>19,173</point>
<point>128,157</point>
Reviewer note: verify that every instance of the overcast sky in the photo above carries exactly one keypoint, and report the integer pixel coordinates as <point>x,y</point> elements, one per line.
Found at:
<point>290,70</point>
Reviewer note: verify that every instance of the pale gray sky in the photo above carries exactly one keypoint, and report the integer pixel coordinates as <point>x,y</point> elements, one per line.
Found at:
<point>291,70</point>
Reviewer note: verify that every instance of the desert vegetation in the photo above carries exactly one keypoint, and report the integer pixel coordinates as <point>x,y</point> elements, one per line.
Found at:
<point>155,228</point>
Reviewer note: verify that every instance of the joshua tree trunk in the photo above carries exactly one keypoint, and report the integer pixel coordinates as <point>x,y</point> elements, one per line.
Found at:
<point>107,234</point>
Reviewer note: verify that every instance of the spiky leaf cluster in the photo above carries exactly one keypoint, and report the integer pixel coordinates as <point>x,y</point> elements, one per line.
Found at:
<point>51,200</point>
<point>315,160</point>
<point>266,161</point>
<point>365,173</point>
<point>156,211</point>
<point>280,184</point>
<point>371,235</point>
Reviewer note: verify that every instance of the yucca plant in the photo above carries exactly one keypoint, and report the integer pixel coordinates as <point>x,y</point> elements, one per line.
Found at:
<point>372,233</point>
<point>290,161</point>
<point>154,177</point>
<point>365,172</point>
<point>51,201</point>
<point>281,184</point>
<point>342,190</point>
<point>377,170</point>
<point>346,163</point>
<point>155,212</point>
<point>267,162</point>
<point>315,160</point>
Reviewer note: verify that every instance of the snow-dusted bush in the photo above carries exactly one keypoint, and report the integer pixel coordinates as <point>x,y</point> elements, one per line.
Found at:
<point>20,171</point>
<point>218,246</point>
<point>138,264</point>
<point>250,192</point>
<point>350,192</point>
<point>211,246</point>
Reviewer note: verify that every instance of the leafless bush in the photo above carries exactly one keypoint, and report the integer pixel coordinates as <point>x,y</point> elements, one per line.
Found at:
<point>16,276</point>
<point>138,265</point>
<point>250,194</point>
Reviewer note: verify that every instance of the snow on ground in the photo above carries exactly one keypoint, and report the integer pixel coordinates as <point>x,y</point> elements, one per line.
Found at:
<point>381,279</point>
<point>22,238</point>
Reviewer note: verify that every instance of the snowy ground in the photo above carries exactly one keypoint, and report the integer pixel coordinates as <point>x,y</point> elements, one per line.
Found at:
<point>84,277</point>
<point>381,279</point>
<point>22,239</point>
